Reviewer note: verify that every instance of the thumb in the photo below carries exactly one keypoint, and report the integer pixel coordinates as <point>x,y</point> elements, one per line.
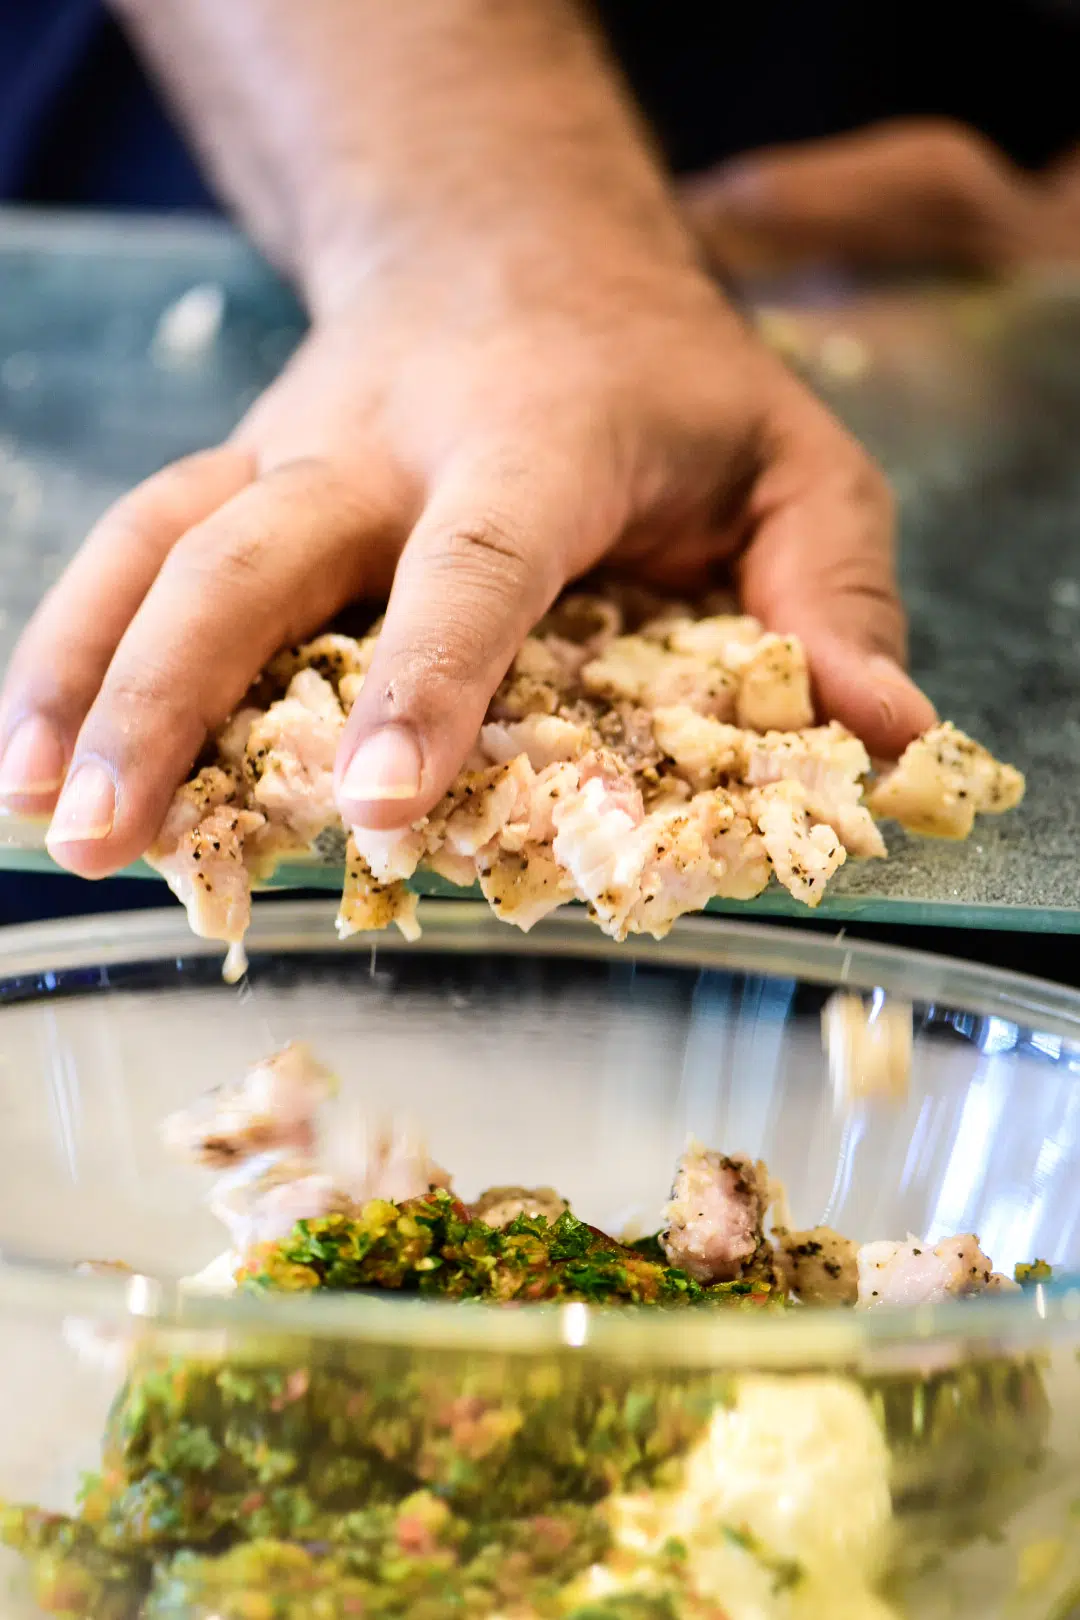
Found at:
<point>820,566</point>
<point>483,564</point>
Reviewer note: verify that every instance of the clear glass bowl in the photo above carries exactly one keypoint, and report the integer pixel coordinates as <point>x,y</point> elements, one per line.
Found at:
<point>560,1059</point>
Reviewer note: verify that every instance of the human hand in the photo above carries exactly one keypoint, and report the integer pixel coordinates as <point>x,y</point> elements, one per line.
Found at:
<point>468,444</point>
<point>915,194</point>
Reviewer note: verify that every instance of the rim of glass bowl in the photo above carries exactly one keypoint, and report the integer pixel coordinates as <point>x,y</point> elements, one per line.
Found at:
<point>44,953</point>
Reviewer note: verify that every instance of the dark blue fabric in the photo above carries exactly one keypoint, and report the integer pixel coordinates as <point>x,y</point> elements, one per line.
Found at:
<point>79,121</point>
<point>41,47</point>
<point>39,897</point>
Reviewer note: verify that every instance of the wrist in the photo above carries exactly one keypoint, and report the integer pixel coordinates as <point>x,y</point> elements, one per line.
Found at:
<point>481,261</point>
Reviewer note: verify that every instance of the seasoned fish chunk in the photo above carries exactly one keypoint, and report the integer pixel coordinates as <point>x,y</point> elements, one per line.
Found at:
<point>263,1201</point>
<point>716,1216</point>
<point>769,672</point>
<point>697,852</point>
<point>704,750</point>
<point>942,782</point>
<point>602,844</point>
<point>544,739</point>
<point>774,687</point>
<point>804,856</point>
<point>367,905</point>
<point>634,669</point>
<point>498,1206</point>
<point>523,886</point>
<point>727,639</point>
<point>913,1273</point>
<point>819,1266</point>
<point>543,675</point>
<point>290,754</point>
<point>388,1161</point>
<point>273,1106</point>
<point>830,764</point>
<point>584,620</point>
<point>204,852</point>
<point>332,656</point>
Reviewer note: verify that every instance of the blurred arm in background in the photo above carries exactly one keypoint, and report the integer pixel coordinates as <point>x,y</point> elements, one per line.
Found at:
<point>909,195</point>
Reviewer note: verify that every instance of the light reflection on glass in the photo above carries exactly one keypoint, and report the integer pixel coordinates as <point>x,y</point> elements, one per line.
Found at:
<point>980,1119</point>
<point>63,1081</point>
<point>998,1036</point>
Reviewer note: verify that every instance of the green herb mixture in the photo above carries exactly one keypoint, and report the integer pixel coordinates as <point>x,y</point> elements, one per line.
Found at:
<point>435,1246</point>
<point>311,1481</point>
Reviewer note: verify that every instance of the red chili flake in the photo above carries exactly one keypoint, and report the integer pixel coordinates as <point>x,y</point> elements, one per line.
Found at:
<point>415,1537</point>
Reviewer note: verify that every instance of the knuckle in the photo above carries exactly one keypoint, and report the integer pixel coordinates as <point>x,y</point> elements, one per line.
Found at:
<point>967,187</point>
<point>493,568</point>
<point>142,689</point>
<point>964,155</point>
<point>488,547</point>
<point>241,557</point>
<point>157,505</point>
<point>125,524</point>
<point>299,474</point>
<point>859,574</point>
<point>936,144</point>
<point>213,557</point>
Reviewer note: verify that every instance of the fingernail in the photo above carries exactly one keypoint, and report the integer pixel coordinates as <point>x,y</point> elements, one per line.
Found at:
<point>386,766</point>
<point>33,761</point>
<point>87,807</point>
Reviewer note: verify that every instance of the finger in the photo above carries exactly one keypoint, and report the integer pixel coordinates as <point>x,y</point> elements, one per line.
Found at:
<point>61,659</point>
<point>268,568</point>
<point>820,566</point>
<point>484,563</point>
<point>900,195</point>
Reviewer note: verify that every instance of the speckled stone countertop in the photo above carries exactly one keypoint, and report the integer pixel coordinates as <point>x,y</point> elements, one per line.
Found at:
<point>971,401</point>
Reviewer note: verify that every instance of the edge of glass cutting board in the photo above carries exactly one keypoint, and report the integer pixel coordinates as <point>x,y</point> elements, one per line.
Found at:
<point>18,854</point>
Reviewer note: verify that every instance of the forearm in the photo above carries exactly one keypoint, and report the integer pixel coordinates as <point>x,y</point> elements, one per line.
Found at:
<point>352,133</point>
